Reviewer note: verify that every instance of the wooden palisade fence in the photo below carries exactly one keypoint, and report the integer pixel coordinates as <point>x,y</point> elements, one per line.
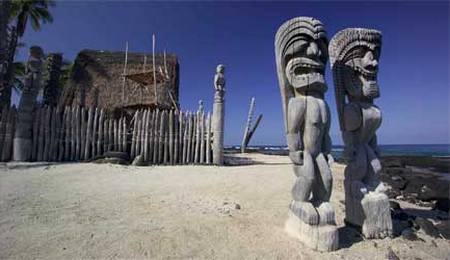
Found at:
<point>84,133</point>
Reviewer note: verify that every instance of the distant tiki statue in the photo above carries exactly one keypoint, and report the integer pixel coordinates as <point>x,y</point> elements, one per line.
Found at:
<point>218,114</point>
<point>301,55</point>
<point>354,55</point>
<point>23,133</point>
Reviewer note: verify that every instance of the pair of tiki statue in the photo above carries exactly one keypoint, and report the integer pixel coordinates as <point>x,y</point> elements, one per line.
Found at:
<point>302,51</point>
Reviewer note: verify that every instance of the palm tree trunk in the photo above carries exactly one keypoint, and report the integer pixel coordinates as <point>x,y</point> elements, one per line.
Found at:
<point>23,133</point>
<point>51,87</point>
<point>5,92</point>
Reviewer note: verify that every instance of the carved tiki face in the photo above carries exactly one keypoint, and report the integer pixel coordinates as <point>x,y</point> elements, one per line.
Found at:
<point>300,54</point>
<point>355,53</point>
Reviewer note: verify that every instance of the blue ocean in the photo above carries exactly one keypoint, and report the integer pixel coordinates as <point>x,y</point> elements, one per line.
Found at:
<point>434,150</point>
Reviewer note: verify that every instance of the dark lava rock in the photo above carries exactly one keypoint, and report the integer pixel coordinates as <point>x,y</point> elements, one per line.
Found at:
<point>237,206</point>
<point>391,255</point>
<point>442,204</point>
<point>409,234</point>
<point>390,162</point>
<point>394,205</point>
<point>114,154</point>
<point>400,215</point>
<point>427,227</point>
<point>112,161</point>
<point>138,161</point>
<point>444,228</point>
<point>399,226</point>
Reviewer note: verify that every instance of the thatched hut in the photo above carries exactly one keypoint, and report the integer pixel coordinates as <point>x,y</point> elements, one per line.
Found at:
<point>98,79</point>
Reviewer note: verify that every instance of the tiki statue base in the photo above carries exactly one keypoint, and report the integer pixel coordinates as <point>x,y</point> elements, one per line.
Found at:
<point>322,235</point>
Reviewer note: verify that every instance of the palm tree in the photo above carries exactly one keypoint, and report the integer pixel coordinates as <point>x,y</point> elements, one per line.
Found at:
<point>22,11</point>
<point>36,10</point>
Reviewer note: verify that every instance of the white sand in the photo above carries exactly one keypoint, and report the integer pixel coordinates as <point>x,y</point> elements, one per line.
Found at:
<point>72,211</point>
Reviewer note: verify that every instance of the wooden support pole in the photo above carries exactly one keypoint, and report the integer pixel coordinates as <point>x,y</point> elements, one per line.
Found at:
<point>111,134</point>
<point>202,138</point>
<point>100,139</point>
<point>9,134</point>
<point>175,136</point>
<point>150,136</point>
<point>119,135</point>
<point>161,138</point>
<point>48,115</point>
<point>197,137</point>
<point>154,68</point>
<point>68,131</point>
<point>37,114</point>
<point>83,133</point>
<point>171,137</point>
<point>156,137</point>
<point>133,137</point>
<point>53,136</point>
<point>139,133</point>
<point>208,139</point>
<point>78,134</point>
<point>124,133</point>
<point>185,138</point>
<point>94,134</point>
<point>116,136</point>
<point>252,131</point>
<point>87,150</point>
<point>251,110</point>
<point>62,136</point>
<point>105,134</point>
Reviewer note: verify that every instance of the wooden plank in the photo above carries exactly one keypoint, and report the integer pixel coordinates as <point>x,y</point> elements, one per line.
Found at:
<point>62,135</point>
<point>193,136</point>
<point>87,150</point>
<point>189,135</point>
<point>4,117</point>
<point>142,138</point>
<point>161,137</point>
<point>146,124</point>
<point>100,133</point>
<point>134,136</point>
<point>51,153</point>
<point>202,138</point>
<point>68,128</point>
<point>185,138</point>
<point>9,134</point>
<point>171,138</point>
<point>139,133</point>
<point>125,135</point>
<point>175,135</point>
<point>151,136</point>
<point>116,136</point>
<point>208,139</point>
<point>119,135</point>
<point>156,137</point>
<point>94,133</point>
<point>197,137</point>
<point>111,134</point>
<point>37,114</point>
<point>48,116</point>
<point>83,129</point>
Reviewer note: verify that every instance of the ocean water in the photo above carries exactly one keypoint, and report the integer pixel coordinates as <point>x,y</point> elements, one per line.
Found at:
<point>435,150</point>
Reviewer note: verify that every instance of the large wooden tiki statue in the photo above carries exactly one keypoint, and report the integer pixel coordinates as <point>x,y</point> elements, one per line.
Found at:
<point>301,50</point>
<point>354,55</point>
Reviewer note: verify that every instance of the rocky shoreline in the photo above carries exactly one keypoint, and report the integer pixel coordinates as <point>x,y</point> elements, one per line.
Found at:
<point>422,180</point>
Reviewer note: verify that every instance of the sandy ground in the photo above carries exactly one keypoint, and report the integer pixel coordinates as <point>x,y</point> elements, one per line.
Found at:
<point>70,211</point>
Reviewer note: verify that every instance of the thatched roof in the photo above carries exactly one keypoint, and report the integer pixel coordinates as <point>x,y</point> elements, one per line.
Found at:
<point>98,79</point>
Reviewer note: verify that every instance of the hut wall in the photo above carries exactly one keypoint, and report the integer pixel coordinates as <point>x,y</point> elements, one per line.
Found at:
<point>97,80</point>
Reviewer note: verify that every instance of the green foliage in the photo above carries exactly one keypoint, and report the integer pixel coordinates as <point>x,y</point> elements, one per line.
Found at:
<point>37,11</point>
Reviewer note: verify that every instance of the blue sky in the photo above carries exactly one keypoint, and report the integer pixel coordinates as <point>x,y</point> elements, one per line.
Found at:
<point>414,65</point>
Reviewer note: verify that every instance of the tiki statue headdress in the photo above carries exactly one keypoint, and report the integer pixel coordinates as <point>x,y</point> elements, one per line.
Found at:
<point>354,54</point>
<point>297,67</point>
